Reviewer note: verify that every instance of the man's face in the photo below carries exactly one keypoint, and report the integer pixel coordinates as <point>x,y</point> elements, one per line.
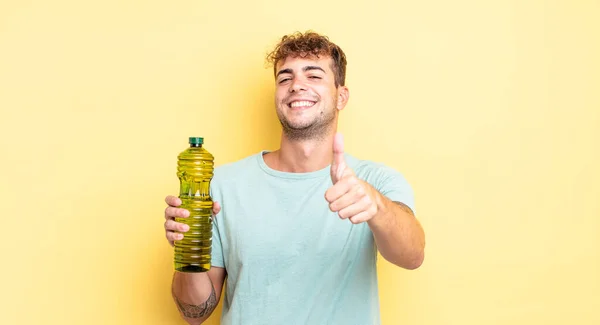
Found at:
<point>306,96</point>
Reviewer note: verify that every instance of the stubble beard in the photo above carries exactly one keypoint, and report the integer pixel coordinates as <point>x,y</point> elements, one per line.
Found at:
<point>315,130</point>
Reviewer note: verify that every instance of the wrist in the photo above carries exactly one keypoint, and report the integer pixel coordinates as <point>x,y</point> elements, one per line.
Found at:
<point>381,208</point>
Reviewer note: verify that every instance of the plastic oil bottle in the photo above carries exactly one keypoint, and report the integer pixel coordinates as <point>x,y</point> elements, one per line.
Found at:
<point>195,168</point>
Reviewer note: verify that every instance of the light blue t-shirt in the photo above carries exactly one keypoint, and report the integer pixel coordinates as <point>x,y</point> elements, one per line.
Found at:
<point>289,259</point>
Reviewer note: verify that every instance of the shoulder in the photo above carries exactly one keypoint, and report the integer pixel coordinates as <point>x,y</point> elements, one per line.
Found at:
<point>388,180</point>
<point>370,170</point>
<point>235,170</point>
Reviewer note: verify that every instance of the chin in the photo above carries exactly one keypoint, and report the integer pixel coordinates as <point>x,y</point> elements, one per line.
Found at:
<point>299,126</point>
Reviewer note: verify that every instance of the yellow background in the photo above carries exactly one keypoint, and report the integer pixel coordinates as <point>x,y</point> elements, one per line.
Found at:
<point>490,109</point>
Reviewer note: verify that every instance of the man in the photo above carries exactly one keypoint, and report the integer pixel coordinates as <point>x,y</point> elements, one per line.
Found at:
<point>297,230</point>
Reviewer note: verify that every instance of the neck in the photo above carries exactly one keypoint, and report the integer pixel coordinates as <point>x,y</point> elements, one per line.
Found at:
<point>302,156</point>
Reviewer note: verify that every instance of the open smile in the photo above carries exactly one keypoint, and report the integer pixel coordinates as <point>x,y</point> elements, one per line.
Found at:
<point>301,104</point>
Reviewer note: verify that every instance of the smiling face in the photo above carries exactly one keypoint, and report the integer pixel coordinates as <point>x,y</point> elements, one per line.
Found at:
<point>306,97</point>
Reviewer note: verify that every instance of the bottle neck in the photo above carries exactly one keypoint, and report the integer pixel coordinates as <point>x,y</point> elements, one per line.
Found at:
<point>195,145</point>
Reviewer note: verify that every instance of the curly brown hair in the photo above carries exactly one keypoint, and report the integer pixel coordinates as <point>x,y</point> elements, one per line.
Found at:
<point>310,44</point>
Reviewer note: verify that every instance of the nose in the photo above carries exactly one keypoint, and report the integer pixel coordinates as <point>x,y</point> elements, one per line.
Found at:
<point>297,85</point>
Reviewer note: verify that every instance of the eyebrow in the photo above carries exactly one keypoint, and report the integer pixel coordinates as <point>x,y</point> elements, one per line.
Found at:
<point>306,68</point>
<point>284,71</point>
<point>312,67</point>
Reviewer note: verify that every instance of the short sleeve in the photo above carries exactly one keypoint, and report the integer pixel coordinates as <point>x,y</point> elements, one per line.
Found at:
<point>217,256</point>
<point>394,186</point>
<point>217,247</point>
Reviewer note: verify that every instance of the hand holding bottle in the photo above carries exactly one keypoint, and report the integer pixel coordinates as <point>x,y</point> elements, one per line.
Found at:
<point>175,230</point>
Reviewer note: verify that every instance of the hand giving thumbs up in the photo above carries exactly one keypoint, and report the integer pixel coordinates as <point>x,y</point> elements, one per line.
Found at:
<point>351,197</point>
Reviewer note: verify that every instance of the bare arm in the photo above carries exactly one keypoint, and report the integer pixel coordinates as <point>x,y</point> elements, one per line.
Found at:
<point>197,294</point>
<point>398,234</point>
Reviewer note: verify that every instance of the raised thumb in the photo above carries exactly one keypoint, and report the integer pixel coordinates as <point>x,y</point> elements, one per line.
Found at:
<point>338,164</point>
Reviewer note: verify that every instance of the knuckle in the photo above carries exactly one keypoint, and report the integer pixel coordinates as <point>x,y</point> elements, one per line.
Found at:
<point>351,179</point>
<point>172,225</point>
<point>173,236</point>
<point>365,200</point>
<point>360,190</point>
<point>373,209</point>
<point>170,213</point>
<point>328,196</point>
<point>172,201</point>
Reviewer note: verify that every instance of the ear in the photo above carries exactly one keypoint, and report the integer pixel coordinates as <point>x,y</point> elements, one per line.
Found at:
<point>342,98</point>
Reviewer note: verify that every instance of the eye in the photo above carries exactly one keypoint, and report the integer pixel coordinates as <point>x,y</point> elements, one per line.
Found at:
<point>314,77</point>
<point>283,80</point>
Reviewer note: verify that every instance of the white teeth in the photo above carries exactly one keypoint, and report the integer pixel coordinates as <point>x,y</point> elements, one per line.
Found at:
<point>302,104</point>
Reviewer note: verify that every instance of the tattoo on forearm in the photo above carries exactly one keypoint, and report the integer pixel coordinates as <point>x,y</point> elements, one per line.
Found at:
<point>198,311</point>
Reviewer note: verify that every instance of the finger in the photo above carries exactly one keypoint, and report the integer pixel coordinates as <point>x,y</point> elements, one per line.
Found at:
<point>340,188</point>
<point>346,200</point>
<point>172,225</point>
<point>173,236</point>
<point>355,209</point>
<point>173,201</point>
<point>216,208</point>
<point>338,149</point>
<point>361,217</point>
<point>172,212</point>
<point>338,164</point>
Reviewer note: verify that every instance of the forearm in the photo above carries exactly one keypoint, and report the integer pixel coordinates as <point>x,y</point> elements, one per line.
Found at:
<point>194,295</point>
<point>398,234</point>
